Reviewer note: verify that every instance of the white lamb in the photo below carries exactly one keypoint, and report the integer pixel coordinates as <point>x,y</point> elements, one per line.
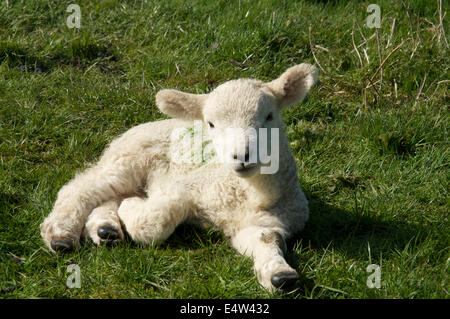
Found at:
<point>138,188</point>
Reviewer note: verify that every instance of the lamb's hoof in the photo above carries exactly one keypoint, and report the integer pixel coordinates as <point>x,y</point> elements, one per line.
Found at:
<point>108,232</point>
<point>285,280</point>
<point>62,245</point>
<point>109,235</point>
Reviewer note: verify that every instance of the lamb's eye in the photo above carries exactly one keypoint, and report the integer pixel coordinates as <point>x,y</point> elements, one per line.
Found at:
<point>269,117</point>
<point>211,125</point>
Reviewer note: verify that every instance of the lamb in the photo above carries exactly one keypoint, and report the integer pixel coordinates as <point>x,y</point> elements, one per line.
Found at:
<point>140,187</point>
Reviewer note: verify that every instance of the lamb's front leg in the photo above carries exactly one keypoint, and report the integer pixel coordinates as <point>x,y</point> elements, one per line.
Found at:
<point>153,219</point>
<point>61,230</point>
<point>266,246</point>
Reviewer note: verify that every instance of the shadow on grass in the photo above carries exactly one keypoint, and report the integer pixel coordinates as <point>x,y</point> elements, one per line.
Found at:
<point>350,233</point>
<point>81,53</point>
<point>185,236</point>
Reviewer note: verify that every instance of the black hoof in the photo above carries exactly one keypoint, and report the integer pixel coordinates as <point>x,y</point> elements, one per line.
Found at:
<point>62,245</point>
<point>108,232</point>
<point>285,279</point>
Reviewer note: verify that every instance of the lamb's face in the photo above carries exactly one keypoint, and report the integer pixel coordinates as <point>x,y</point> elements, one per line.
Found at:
<point>240,117</point>
<point>243,116</point>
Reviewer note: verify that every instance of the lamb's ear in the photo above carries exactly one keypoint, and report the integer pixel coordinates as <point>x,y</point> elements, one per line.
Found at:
<point>293,85</point>
<point>181,105</point>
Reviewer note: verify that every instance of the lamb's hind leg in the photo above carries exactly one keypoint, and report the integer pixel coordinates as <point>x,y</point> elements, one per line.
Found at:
<point>103,224</point>
<point>61,230</point>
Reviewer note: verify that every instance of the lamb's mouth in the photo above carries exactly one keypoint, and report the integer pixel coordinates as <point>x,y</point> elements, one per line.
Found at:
<point>245,170</point>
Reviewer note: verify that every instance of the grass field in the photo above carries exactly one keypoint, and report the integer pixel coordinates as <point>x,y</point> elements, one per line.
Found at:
<point>371,141</point>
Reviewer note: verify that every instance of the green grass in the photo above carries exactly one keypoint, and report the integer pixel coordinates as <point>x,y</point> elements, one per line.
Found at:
<point>374,162</point>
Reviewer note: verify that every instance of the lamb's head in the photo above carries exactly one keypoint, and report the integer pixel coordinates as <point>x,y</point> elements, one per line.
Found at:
<point>240,115</point>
